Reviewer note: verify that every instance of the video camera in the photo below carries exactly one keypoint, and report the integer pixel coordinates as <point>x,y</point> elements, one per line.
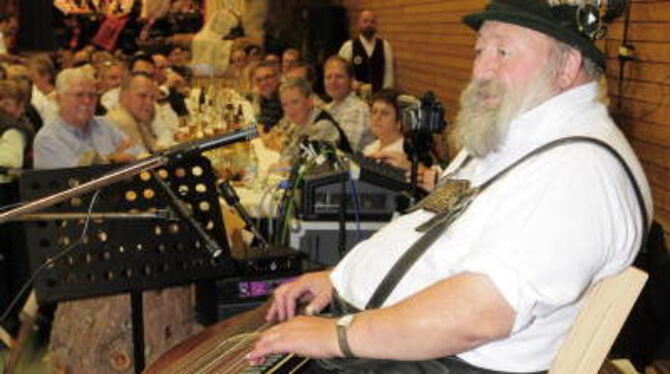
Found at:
<point>425,116</point>
<point>421,119</point>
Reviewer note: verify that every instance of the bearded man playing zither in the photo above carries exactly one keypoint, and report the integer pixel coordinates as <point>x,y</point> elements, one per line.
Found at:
<point>500,286</point>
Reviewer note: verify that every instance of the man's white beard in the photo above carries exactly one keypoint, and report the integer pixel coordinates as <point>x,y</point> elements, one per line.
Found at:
<point>480,129</point>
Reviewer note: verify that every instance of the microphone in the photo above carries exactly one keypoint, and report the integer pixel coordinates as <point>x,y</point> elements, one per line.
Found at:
<point>196,147</point>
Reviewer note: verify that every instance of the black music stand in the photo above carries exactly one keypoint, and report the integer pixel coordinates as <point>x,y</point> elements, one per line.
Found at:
<point>134,241</point>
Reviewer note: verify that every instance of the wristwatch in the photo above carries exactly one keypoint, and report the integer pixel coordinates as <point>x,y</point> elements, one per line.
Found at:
<point>342,324</point>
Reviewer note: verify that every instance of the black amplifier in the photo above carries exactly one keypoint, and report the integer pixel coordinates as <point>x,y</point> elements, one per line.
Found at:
<point>268,262</point>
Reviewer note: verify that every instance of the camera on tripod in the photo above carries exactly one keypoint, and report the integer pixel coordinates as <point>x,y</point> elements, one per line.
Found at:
<point>425,116</point>
<point>421,119</point>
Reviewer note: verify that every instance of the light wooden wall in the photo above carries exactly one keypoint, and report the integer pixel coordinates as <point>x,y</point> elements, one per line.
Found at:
<point>643,97</point>
<point>433,51</point>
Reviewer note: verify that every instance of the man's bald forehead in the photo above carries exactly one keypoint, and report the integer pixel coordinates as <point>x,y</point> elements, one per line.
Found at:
<point>367,14</point>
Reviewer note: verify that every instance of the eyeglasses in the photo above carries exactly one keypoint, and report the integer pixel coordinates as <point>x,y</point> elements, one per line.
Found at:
<point>83,95</point>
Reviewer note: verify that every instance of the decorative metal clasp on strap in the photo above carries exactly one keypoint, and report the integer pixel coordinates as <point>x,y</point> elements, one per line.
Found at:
<point>447,201</point>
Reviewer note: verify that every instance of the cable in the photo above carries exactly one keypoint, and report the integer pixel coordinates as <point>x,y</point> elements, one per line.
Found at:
<point>50,261</point>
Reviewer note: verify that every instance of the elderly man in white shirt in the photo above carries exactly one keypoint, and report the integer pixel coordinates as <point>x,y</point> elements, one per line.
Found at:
<point>499,287</point>
<point>352,113</point>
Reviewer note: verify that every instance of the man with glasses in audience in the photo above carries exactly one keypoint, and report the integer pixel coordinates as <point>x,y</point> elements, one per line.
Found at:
<point>265,99</point>
<point>76,137</point>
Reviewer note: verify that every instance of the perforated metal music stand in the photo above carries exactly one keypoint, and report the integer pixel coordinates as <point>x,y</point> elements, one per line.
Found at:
<point>134,242</point>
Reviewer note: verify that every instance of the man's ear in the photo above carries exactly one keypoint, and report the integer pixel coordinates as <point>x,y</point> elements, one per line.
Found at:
<point>571,69</point>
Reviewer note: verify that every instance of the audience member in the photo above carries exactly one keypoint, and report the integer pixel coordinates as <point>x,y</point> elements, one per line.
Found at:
<point>238,59</point>
<point>98,58</point>
<point>110,75</point>
<point>371,56</point>
<point>238,72</point>
<point>385,125</point>
<point>15,136</point>
<point>178,56</point>
<point>162,64</point>
<point>8,28</point>
<point>254,53</point>
<point>42,73</point>
<point>138,64</point>
<point>135,113</point>
<point>351,113</point>
<point>28,115</point>
<point>289,59</point>
<point>179,87</point>
<point>305,122</point>
<point>265,100</point>
<point>305,71</point>
<point>76,137</point>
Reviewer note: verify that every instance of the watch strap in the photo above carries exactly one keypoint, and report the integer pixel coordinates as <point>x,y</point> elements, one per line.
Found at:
<point>343,342</point>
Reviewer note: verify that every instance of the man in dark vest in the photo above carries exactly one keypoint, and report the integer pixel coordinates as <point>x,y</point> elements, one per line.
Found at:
<point>371,56</point>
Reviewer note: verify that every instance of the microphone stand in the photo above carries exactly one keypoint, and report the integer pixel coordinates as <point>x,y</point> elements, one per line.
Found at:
<point>231,197</point>
<point>173,154</point>
<point>112,177</point>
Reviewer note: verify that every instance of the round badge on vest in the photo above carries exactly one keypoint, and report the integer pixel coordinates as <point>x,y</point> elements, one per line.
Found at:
<point>358,60</point>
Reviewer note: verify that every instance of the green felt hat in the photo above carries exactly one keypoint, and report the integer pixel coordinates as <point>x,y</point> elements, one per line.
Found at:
<point>561,22</point>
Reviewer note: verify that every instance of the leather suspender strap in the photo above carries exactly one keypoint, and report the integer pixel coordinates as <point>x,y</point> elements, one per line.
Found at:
<point>408,259</point>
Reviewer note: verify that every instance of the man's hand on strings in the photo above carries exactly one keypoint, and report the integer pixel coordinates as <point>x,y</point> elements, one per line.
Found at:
<point>305,336</point>
<point>315,289</point>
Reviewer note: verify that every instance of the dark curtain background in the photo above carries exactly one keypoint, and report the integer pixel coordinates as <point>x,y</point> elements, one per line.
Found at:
<point>36,29</point>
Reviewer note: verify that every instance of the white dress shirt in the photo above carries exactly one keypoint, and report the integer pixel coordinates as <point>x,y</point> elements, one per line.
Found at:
<point>542,234</point>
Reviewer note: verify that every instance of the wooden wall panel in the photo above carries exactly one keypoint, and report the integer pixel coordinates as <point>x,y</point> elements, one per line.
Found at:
<point>433,51</point>
<point>640,93</point>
